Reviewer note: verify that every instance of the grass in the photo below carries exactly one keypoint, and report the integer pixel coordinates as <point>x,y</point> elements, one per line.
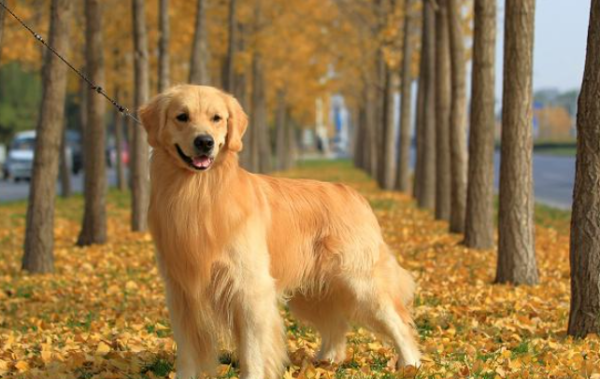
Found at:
<point>564,149</point>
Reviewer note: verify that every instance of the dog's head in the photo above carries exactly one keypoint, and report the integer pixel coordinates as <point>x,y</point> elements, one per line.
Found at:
<point>195,125</point>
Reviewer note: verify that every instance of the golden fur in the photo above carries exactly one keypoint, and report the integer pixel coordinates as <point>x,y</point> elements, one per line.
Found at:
<point>230,244</point>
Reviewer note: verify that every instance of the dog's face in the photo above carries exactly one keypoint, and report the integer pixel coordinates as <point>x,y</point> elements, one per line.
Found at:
<point>195,125</point>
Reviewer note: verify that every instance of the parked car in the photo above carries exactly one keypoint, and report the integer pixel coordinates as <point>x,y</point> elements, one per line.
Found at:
<point>20,157</point>
<point>19,162</point>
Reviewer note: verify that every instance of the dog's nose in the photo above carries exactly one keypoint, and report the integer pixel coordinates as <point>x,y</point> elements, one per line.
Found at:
<point>204,143</point>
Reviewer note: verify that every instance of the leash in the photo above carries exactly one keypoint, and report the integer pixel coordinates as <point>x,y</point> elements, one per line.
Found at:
<point>123,110</point>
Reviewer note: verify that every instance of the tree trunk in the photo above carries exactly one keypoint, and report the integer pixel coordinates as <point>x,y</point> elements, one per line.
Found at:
<point>2,13</point>
<point>257,115</point>
<point>516,249</point>
<point>290,136</point>
<point>163,46</point>
<point>442,113</point>
<point>419,135</point>
<point>427,189</point>
<point>39,233</point>
<point>388,145</point>
<point>479,222</point>
<point>140,182</point>
<point>229,76</point>
<point>403,174</point>
<point>280,131</point>
<point>458,119</point>
<point>93,230</point>
<point>199,73</point>
<point>360,138</point>
<point>118,121</point>
<point>372,142</point>
<point>64,169</point>
<point>584,317</point>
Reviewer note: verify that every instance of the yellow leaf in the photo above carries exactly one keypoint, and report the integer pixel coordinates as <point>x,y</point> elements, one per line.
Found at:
<point>102,348</point>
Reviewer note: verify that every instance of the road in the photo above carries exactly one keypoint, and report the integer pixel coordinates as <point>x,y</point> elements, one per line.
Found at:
<point>11,191</point>
<point>553,178</point>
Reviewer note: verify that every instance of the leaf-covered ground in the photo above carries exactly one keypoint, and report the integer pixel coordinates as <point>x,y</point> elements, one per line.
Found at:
<point>103,315</point>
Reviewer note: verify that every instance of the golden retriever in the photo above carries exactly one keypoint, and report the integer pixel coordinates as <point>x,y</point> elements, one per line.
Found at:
<point>230,244</point>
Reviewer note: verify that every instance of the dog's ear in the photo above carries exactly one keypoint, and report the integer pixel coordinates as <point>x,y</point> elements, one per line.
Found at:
<point>152,117</point>
<point>236,124</point>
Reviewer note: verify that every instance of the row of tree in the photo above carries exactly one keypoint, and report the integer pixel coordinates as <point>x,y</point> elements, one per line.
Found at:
<point>277,57</point>
<point>243,72</point>
<point>460,189</point>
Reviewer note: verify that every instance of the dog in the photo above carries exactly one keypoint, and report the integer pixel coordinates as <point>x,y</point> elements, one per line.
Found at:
<point>230,245</point>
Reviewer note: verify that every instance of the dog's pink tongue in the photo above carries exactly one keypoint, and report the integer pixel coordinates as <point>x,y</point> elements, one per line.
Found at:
<point>201,162</point>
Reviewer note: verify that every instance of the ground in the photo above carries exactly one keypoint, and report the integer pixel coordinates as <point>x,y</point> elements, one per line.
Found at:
<point>103,315</point>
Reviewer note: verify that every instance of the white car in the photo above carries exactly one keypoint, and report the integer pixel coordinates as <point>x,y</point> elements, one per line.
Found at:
<point>19,162</point>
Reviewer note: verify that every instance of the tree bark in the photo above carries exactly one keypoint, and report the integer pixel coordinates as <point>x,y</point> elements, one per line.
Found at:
<point>280,131</point>
<point>388,140</point>
<point>64,169</point>
<point>2,13</point>
<point>118,121</point>
<point>93,230</point>
<point>458,119</point>
<point>163,46</point>
<point>199,73</point>
<point>584,317</point>
<point>479,222</point>
<point>516,249</point>
<point>229,76</point>
<point>360,138</point>
<point>140,182</point>
<point>290,136</point>
<point>442,112</point>
<point>39,232</point>
<point>257,115</point>
<point>372,140</point>
<point>403,164</point>
<point>427,189</point>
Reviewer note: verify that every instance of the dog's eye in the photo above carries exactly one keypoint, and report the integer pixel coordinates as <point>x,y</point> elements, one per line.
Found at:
<point>183,117</point>
<point>216,118</point>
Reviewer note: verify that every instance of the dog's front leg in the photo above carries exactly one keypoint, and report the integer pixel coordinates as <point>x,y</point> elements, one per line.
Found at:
<point>258,325</point>
<point>196,348</point>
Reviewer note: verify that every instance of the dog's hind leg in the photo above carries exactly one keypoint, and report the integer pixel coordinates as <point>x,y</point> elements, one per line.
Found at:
<point>385,306</point>
<point>327,316</point>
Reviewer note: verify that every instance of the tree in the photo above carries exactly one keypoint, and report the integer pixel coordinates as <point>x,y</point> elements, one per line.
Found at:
<point>163,46</point>
<point>479,219</point>
<point>281,131</point>
<point>39,233</point>
<point>118,121</point>
<point>140,154</point>
<point>403,174</point>
<point>258,118</point>
<point>229,76</point>
<point>199,73</point>
<point>426,195</point>
<point>93,230</point>
<point>458,119</point>
<point>516,250</point>
<point>64,171</point>
<point>442,113</point>
<point>584,316</point>
<point>388,147</point>
<point>2,13</point>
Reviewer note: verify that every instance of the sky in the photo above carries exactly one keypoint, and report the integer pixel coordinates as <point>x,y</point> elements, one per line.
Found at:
<point>559,44</point>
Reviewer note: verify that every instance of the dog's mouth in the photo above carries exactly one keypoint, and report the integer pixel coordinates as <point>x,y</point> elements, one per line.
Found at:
<point>201,162</point>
